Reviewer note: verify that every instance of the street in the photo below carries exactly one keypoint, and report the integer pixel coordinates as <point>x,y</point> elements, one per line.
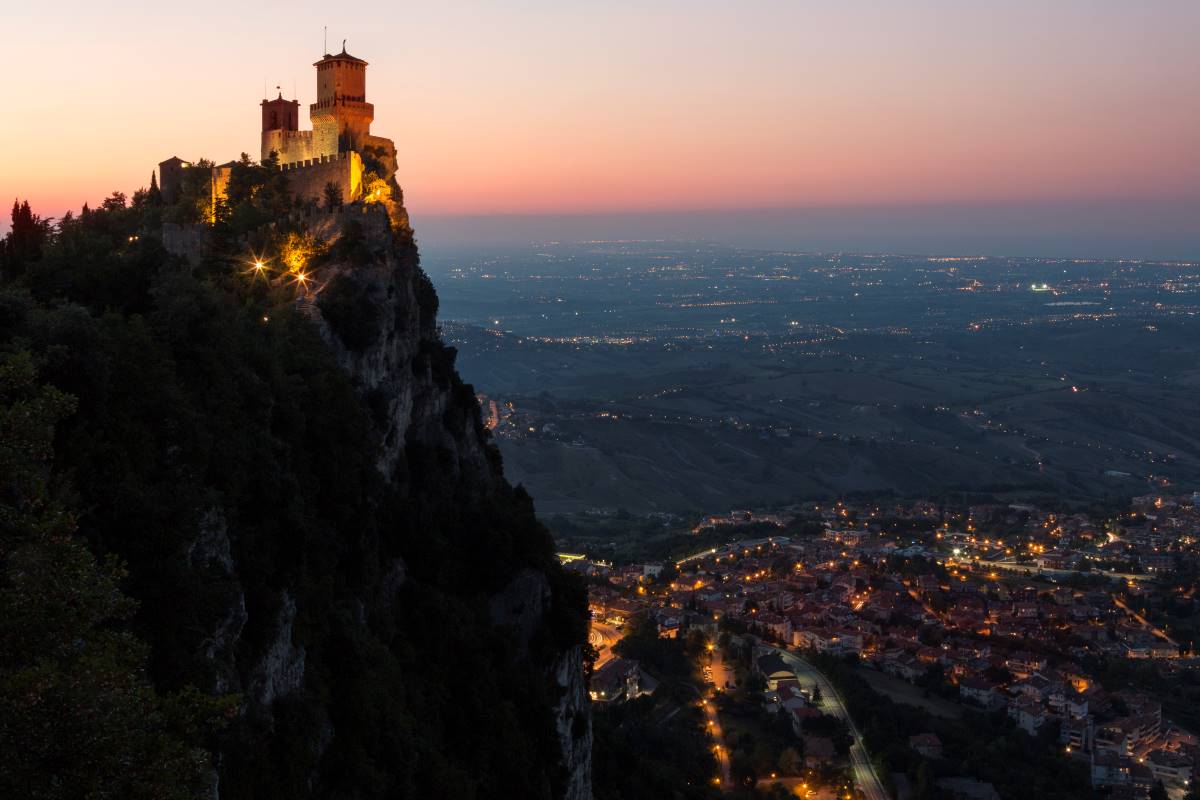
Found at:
<point>722,673</point>
<point>1033,569</point>
<point>1145,623</point>
<point>718,737</point>
<point>831,703</point>
<point>603,636</point>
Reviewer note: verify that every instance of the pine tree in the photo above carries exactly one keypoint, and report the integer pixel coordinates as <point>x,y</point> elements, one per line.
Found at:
<point>155,197</point>
<point>23,244</point>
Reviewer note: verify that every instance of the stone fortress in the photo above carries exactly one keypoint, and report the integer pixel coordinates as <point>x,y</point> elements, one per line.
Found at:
<point>336,150</point>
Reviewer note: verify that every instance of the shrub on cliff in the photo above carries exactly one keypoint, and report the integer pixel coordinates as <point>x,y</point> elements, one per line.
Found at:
<point>351,311</point>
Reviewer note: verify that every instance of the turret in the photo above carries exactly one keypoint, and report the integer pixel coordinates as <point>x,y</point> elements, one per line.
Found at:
<point>341,117</point>
<point>280,131</point>
<point>280,114</point>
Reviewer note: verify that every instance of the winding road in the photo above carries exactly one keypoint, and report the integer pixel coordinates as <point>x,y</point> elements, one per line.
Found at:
<point>602,637</point>
<point>865,777</point>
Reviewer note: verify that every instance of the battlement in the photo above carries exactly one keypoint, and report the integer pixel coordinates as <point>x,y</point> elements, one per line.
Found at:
<point>288,146</point>
<point>344,101</point>
<point>314,162</point>
<point>308,178</point>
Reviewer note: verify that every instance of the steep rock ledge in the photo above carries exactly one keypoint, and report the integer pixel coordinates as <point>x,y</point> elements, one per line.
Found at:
<point>376,311</point>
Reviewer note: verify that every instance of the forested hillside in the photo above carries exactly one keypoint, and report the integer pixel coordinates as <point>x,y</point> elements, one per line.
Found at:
<point>251,546</point>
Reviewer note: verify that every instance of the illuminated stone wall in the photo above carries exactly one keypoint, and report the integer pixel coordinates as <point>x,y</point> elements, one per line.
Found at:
<point>292,146</point>
<point>308,179</point>
<point>340,125</point>
<point>341,117</point>
<point>339,76</point>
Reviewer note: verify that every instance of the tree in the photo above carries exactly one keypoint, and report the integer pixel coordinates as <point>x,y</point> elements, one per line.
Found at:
<point>155,194</point>
<point>114,202</point>
<point>375,188</point>
<point>642,643</point>
<point>741,768</point>
<point>791,760</point>
<point>23,244</point>
<point>246,180</point>
<point>333,196</point>
<point>78,717</point>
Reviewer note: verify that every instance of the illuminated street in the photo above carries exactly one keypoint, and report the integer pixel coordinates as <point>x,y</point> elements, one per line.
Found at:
<point>831,703</point>
<point>1145,623</point>
<point>722,673</point>
<point>603,636</point>
<point>718,737</point>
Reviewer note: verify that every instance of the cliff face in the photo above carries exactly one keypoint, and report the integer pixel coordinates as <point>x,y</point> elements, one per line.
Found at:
<point>393,365</point>
<point>441,492</point>
<point>405,374</point>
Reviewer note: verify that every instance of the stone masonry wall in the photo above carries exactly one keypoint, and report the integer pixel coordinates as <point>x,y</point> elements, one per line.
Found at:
<point>308,178</point>
<point>291,146</point>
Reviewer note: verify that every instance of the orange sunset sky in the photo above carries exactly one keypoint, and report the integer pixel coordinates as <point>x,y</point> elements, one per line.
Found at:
<point>586,107</point>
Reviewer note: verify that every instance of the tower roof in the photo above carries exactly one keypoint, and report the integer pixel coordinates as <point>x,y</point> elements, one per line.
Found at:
<point>342,56</point>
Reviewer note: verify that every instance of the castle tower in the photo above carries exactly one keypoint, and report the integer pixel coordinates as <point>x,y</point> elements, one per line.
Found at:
<point>280,127</point>
<point>341,117</point>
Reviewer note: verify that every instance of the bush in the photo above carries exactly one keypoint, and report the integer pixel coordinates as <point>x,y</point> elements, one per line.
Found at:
<point>352,313</point>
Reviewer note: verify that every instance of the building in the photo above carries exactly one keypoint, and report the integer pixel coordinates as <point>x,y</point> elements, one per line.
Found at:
<point>1028,714</point>
<point>962,788</point>
<point>927,744</point>
<point>980,692</point>
<point>1128,735</point>
<point>339,151</point>
<point>1077,735</point>
<point>774,670</point>
<point>619,680</point>
<point>1170,767</point>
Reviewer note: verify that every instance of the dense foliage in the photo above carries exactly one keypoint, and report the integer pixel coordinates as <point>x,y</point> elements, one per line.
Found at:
<point>981,745</point>
<point>79,717</point>
<point>214,448</point>
<point>650,749</point>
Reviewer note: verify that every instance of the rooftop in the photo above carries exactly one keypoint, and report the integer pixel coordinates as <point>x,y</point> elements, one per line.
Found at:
<point>342,56</point>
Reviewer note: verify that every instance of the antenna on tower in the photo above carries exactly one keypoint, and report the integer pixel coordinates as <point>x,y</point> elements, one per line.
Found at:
<point>325,45</point>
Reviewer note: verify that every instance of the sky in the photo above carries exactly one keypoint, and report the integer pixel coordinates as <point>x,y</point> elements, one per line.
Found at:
<point>1022,126</point>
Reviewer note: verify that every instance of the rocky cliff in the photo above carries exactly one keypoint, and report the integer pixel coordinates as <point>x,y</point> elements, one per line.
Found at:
<point>405,375</point>
<point>313,519</point>
<point>376,312</point>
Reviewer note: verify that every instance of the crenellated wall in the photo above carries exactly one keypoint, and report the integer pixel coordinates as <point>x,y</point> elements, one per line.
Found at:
<point>308,178</point>
<point>290,146</point>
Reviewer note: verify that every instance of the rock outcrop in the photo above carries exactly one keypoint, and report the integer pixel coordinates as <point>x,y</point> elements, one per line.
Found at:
<point>376,311</point>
